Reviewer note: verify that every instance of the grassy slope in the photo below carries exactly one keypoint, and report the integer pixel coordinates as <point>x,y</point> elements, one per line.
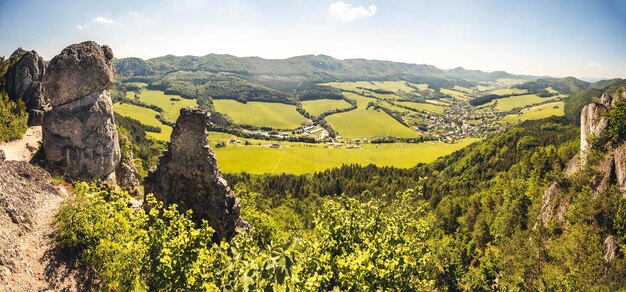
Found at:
<point>537,112</point>
<point>261,114</point>
<point>363,122</point>
<point>145,116</point>
<point>509,103</point>
<point>454,93</point>
<point>423,106</point>
<point>319,106</point>
<point>159,98</point>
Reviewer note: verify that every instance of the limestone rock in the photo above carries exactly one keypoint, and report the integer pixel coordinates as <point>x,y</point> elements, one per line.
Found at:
<point>592,123</point>
<point>188,175</point>
<point>573,166</point>
<point>80,139</point>
<point>78,71</point>
<point>619,155</point>
<point>606,175</point>
<point>553,207</point>
<point>24,79</point>
<point>126,174</point>
<point>610,248</point>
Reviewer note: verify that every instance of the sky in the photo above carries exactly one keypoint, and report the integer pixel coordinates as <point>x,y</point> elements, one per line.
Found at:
<point>581,38</point>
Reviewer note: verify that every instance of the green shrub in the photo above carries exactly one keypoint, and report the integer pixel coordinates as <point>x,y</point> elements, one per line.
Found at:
<point>13,118</point>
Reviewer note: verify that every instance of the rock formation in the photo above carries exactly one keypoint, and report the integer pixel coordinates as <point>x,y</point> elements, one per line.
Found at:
<point>79,136</point>
<point>553,206</point>
<point>24,81</point>
<point>126,174</point>
<point>80,69</point>
<point>610,248</point>
<point>188,175</point>
<point>592,124</point>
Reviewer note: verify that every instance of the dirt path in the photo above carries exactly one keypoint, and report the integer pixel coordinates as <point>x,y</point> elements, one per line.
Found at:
<point>29,260</point>
<point>23,149</point>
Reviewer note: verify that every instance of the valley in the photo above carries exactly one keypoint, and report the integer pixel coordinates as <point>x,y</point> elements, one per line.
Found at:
<point>385,123</point>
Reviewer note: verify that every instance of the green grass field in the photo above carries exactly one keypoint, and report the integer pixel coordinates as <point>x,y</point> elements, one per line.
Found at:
<point>393,86</point>
<point>317,107</point>
<point>260,114</point>
<point>456,94</point>
<point>462,89</point>
<point>301,158</point>
<point>145,116</point>
<point>509,103</point>
<point>171,108</point>
<point>507,91</point>
<point>362,122</point>
<point>537,112</point>
<point>423,106</point>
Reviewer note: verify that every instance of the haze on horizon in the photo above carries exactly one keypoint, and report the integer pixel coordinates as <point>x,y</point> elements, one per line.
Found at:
<point>580,38</point>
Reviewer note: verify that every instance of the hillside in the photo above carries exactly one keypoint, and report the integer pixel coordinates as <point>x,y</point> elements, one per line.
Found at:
<point>304,71</point>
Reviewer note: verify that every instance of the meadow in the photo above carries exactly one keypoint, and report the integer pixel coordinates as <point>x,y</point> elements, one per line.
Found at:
<point>298,158</point>
<point>145,116</point>
<point>509,103</point>
<point>319,106</point>
<point>260,114</point>
<point>508,91</point>
<point>456,94</point>
<point>363,122</point>
<point>537,112</point>
<point>423,106</point>
<point>171,104</point>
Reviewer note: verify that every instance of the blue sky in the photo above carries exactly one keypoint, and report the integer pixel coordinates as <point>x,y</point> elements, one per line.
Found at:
<point>582,38</point>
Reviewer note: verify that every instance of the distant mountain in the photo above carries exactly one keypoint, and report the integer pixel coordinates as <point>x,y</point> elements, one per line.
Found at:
<point>568,85</point>
<point>302,71</point>
<point>481,76</point>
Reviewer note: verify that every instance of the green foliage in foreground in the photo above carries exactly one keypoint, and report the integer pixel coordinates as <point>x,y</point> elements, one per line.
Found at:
<point>359,246</point>
<point>13,118</point>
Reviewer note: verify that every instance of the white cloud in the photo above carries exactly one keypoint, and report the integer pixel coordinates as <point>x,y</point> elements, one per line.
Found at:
<point>82,26</point>
<point>133,13</point>
<point>104,20</point>
<point>347,13</point>
<point>596,65</point>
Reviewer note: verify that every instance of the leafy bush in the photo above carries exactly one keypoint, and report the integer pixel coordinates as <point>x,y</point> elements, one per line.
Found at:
<point>13,118</point>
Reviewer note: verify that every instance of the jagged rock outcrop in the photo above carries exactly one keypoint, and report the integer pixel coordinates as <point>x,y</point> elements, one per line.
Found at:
<point>592,124</point>
<point>80,69</point>
<point>553,206</point>
<point>2,156</point>
<point>126,174</point>
<point>610,248</point>
<point>188,175</point>
<point>24,80</point>
<point>79,136</point>
<point>573,166</point>
<point>619,156</point>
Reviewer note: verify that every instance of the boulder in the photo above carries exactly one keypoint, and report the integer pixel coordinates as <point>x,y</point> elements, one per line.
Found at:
<point>80,69</point>
<point>188,175</point>
<point>80,139</point>
<point>24,79</point>
<point>592,124</point>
